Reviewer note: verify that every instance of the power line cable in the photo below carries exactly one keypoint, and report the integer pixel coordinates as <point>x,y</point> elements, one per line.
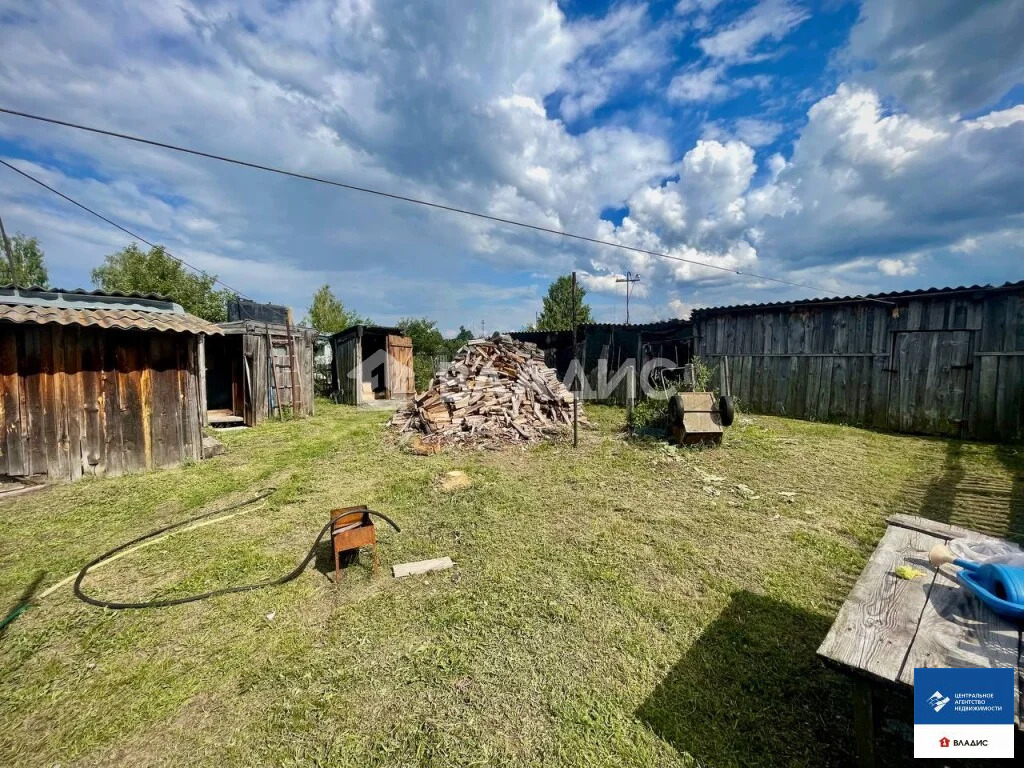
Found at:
<point>414,200</point>
<point>646,294</point>
<point>98,215</point>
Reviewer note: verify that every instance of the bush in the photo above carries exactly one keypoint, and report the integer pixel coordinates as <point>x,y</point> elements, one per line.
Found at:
<point>423,371</point>
<point>703,375</point>
<point>322,382</point>
<point>649,413</point>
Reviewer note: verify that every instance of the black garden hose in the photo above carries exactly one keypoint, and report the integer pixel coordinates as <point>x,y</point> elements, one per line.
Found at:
<point>214,593</point>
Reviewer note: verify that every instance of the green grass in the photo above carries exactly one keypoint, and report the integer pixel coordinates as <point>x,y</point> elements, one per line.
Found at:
<point>621,604</point>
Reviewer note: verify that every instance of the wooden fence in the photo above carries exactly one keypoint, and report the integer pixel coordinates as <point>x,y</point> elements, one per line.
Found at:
<point>946,363</point>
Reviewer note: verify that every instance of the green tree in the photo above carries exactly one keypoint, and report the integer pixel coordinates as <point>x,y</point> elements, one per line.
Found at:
<point>426,339</point>
<point>456,343</point>
<point>328,315</point>
<point>133,270</point>
<point>29,268</point>
<point>557,313</point>
<point>427,343</point>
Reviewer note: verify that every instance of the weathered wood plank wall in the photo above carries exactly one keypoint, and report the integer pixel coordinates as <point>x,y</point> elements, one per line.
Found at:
<point>256,346</point>
<point>944,364</point>
<point>257,373</point>
<point>616,346</point>
<point>355,353</point>
<point>80,401</point>
<point>610,348</point>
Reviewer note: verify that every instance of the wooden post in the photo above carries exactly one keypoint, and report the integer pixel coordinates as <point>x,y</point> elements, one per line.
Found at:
<point>576,383</point>
<point>631,389</point>
<point>864,723</point>
<point>204,413</point>
<point>634,375</point>
<point>292,362</point>
<point>357,350</point>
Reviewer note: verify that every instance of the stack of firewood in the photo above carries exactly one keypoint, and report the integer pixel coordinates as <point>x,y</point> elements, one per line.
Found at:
<point>495,391</point>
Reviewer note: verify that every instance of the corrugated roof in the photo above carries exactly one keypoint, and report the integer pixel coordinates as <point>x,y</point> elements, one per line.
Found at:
<point>83,292</point>
<point>124,319</point>
<point>378,329</point>
<point>654,325</point>
<point>892,296</point>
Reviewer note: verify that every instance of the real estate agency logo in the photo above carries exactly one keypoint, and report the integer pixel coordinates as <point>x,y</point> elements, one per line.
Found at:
<point>945,741</point>
<point>964,712</point>
<point>937,701</point>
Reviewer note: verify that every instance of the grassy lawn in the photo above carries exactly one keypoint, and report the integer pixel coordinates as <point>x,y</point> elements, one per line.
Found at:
<point>623,604</point>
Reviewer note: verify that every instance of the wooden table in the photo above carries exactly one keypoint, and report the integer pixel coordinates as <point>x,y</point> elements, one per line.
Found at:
<point>888,626</point>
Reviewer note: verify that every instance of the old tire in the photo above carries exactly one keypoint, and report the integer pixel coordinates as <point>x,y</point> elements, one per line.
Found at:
<point>675,411</point>
<point>726,410</point>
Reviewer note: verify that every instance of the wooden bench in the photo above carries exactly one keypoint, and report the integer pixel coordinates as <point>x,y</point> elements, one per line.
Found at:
<point>888,626</point>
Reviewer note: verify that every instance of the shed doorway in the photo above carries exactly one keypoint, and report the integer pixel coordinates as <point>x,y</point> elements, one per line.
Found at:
<point>386,371</point>
<point>373,379</point>
<point>225,382</point>
<point>372,364</point>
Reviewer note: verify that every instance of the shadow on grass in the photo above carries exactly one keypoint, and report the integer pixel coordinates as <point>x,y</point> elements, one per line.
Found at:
<point>940,497</point>
<point>752,691</point>
<point>1012,460</point>
<point>352,559</point>
<point>978,500</point>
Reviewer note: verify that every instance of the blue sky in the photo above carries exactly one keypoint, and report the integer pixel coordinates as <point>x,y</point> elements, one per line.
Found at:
<point>852,146</point>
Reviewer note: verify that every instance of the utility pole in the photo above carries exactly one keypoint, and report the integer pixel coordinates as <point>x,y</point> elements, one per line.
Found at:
<point>629,279</point>
<point>576,381</point>
<point>9,253</point>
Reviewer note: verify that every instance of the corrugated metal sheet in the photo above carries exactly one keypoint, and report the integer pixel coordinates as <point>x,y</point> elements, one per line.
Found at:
<point>378,329</point>
<point>656,325</point>
<point>84,292</point>
<point>124,319</point>
<point>893,296</point>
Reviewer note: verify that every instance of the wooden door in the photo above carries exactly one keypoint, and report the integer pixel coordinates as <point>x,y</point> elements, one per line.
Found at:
<point>927,394</point>
<point>401,382</point>
<point>346,370</point>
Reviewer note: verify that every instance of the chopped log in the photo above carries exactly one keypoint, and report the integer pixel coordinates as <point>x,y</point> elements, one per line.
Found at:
<point>495,391</point>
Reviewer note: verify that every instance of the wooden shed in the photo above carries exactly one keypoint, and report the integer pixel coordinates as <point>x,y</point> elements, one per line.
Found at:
<point>258,370</point>
<point>372,363</point>
<point>97,383</point>
<point>610,346</point>
<point>941,361</point>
